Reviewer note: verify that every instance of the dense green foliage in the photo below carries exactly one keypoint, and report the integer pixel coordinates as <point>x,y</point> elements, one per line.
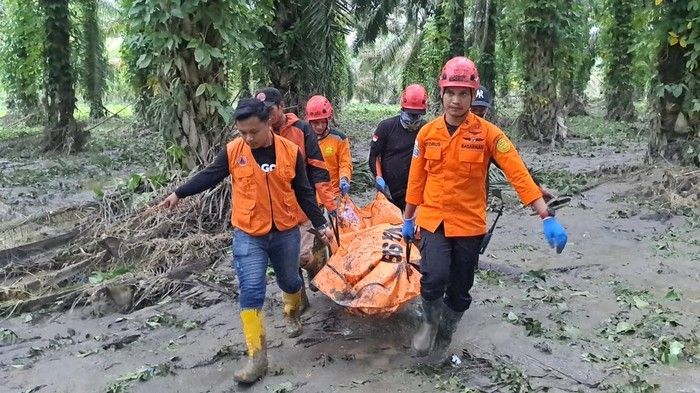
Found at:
<point>61,132</point>
<point>618,55</point>
<point>93,72</point>
<point>676,92</point>
<point>304,50</point>
<point>185,62</point>
<point>22,32</point>
<point>184,45</point>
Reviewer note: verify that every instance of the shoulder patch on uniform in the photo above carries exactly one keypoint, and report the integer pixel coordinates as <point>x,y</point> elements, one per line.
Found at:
<point>416,150</point>
<point>242,161</point>
<point>328,151</point>
<point>503,145</point>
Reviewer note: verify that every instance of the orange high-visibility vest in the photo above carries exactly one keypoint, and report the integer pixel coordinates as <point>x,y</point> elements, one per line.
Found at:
<point>258,198</point>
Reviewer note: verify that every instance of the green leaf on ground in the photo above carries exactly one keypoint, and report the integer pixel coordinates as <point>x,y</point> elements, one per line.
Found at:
<point>673,295</point>
<point>8,337</point>
<point>624,328</point>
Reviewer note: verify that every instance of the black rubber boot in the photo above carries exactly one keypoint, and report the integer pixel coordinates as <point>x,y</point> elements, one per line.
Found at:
<point>424,339</point>
<point>447,327</point>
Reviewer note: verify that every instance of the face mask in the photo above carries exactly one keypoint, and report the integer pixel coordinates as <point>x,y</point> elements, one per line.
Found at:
<point>411,121</point>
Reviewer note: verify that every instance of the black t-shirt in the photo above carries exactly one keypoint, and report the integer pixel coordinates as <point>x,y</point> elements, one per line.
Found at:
<point>393,144</point>
<point>451,128</point>
<point>266,159</point>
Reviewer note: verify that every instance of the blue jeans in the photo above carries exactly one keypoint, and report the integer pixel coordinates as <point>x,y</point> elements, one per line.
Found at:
<point>250,258</point>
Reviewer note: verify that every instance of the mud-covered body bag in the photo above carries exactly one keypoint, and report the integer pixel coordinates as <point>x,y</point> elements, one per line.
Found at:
<point>368,273</point>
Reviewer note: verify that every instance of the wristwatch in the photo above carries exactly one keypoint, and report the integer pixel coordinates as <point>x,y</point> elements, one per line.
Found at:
<point>322,227</point>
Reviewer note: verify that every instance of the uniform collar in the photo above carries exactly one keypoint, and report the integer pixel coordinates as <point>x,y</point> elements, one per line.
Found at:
<point>290,119</point>
<point>469,122</point>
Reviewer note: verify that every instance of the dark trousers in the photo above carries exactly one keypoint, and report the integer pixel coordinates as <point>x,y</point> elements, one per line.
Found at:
<point>397,189</point>
<point>447,265</point>
<point>400,203</point>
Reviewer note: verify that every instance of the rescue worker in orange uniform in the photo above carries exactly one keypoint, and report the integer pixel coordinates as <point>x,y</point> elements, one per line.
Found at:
<point>335,146</point>
<point>446,199</point>
<point>392,144</point>
<point>289,126</point>
<point>268,181</point>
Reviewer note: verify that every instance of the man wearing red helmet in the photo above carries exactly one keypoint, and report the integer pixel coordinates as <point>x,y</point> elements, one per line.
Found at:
<point>392,144</point>
<point>447,182</point>
<point>335,146</point>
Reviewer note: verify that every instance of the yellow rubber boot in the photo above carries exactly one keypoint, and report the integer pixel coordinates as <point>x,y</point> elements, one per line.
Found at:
<point>254,333</point>
<point>292,309</point>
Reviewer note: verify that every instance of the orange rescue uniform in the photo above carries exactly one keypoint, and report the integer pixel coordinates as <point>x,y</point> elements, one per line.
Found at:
<point>335,148</point>
<point>258,198</point>
<point>447,176</point>
<point>301,133</point>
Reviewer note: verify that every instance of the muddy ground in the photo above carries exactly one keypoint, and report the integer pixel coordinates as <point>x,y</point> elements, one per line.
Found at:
<point>618,311</point>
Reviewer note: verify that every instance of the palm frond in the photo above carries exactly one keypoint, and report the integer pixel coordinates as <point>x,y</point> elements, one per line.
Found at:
<point>387,55</point>
<point>373,21</point>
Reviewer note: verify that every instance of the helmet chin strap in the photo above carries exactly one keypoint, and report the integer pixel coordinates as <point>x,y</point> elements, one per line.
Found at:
<point>324,133</point>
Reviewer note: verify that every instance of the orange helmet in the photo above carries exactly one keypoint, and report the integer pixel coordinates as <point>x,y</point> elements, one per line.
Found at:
<point>414,97</point>
<point>459,72</point>
<point>318,107</point>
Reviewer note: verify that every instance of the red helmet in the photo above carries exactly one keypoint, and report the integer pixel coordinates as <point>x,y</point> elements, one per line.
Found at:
<point>459,72</point>
<point>414,97</point>
<point>318,107</point>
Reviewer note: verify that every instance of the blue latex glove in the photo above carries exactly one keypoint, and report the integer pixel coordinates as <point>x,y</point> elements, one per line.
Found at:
<point>380,184</point>
<point>344,186</point>
<point>554,233</point>
<point>408,230</point>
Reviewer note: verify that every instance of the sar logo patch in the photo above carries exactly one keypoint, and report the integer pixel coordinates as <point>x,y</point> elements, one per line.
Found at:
<point>416,150</point>
<point>242,161</point>
<point>329,151</point>
<point>503,145</point>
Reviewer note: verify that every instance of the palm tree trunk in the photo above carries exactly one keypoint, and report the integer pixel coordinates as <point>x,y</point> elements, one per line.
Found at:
<point>675,131</point>
<point>95,61</point>
<point>457,43</point>
<point>539,42</point>
<point>619,92</point>
<point>61,132</point>
<point>487,62</point>
<point>199,128</point>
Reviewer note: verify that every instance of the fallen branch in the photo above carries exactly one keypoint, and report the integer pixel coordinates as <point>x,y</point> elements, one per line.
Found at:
<point>546,367</point>
<point>608,179</point>
<point>19,121</point>
<point>27,250</point>
<point>9,309</point>
<point>564,269</point>
<point>113,115</point>
<point>121,342</point>
<point>37,217</point>
<point>48,280</point>
<point>541,364</point>
<point>231,351</point>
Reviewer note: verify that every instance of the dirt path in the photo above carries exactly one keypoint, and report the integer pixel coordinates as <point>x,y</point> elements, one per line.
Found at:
<point>606,315</point>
